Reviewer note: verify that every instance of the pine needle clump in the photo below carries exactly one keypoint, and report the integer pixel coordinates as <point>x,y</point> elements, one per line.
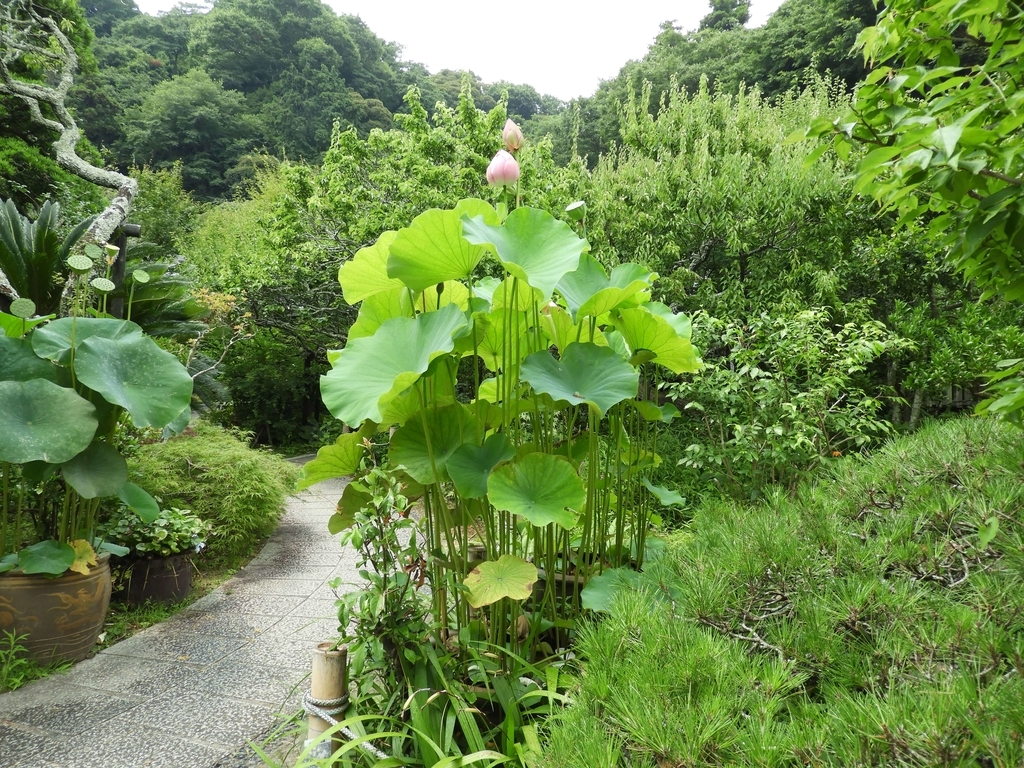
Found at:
<point>873,618</point>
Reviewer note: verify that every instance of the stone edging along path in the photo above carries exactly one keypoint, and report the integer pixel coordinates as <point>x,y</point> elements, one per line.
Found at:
<point>192,691</point>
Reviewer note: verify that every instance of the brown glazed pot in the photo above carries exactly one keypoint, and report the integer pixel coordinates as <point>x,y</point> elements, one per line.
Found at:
<point>61,617</point>
<point>160,580</point>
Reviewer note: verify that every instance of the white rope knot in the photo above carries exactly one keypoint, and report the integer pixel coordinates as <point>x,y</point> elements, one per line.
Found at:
<point>326,709</point>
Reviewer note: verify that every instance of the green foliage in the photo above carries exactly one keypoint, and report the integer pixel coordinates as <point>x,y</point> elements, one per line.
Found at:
<point>213,472</point>
<point>173,532</point>
<point>779,396</point>
<point>16,669</point>
<point>939,114</point>
<point>863,621</point>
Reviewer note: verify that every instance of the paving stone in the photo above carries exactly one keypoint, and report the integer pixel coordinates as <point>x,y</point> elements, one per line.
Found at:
<point>276,651</point>
<point>197,648</point>
<point>301,587</point>
<point>306,628</point>
<point>22,746</point>
<point>112,746</point>
<point>273,685</point>
<point>245,626</point>
<point>316,608</point>
<point>62,708</point>
<point>130,675</point>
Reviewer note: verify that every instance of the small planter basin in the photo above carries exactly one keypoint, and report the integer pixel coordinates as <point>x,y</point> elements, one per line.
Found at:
<point>160,580</point>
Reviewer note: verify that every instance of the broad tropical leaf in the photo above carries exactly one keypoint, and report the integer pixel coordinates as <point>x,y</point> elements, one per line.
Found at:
<point>658,336</point>
<point>370,372</point>
<point>587,373</point>
<point>422,450</point>
<point>332,461</point>
<point>378,309</point>
<point>532,244</point>
<point>97,471</point>
<point>41,421</point>
<point>49,557</point>
<point>590,292</point>
<point>140,502</point>
<point>53,341</point>
<point>366,274</point>
<point>542,488</point>
<point>19,363</point>
<point>470,465</point>
<point>508,576</point>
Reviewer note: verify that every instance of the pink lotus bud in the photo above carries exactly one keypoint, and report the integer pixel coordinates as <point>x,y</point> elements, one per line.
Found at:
<point>503,170</point>
<point>512,135</point>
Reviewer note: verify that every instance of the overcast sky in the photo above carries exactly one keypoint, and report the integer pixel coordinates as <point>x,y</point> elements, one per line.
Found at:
<point>561,47</point>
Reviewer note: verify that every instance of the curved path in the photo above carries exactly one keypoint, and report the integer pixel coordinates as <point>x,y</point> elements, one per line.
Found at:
<point>193,691</point>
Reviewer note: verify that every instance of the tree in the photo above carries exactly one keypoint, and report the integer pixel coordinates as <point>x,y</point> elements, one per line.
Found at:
<point>104,14</point>
<point>726,15</point>
<point>940,115</point>
<point>193,120</point>
<point>33,43</point>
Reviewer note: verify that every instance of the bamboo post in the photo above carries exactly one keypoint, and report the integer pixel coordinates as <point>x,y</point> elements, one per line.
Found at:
<point>328,682</point>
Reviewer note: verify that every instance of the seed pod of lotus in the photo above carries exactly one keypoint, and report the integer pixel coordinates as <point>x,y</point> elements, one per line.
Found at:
<point>503,170</point>
<point>512,135</point>
<point>80,263</point>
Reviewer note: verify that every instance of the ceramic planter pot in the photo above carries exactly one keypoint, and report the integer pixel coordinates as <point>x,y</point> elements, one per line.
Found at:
<point>160,580</point>
<point>62,617</point>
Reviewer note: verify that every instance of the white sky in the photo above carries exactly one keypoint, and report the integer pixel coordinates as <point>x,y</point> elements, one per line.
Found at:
<point>561,47</point>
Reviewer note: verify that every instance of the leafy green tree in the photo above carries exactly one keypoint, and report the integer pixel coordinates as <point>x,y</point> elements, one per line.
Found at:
<point>192,120</point>
<point>940,114</point>
<point>104,14</point>
<point>726,15</point>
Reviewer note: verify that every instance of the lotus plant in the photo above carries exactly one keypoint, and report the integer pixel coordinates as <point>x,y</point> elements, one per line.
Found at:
<point>66,384</point>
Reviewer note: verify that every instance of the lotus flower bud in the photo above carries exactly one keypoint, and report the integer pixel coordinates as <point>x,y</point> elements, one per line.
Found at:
<point>503,170</point>
<point>512,135</point>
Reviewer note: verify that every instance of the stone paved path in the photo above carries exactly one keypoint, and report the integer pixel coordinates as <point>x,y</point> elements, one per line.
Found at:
<point>194,690</point>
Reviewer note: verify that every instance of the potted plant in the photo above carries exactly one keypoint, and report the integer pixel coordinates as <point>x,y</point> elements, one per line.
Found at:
<point>66,385</point>
<point>157,567</point>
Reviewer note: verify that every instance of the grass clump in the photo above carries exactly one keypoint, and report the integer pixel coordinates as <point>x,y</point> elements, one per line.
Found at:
<point>213,471</point>
<point>873,618</point>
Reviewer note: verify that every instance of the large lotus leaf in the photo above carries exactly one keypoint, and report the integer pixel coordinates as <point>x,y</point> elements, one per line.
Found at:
<point>97,471</point>
<point>432,250</point>
<point>332,461</point>
<point>513,292</point>
<point>378,309</point>
<point>542,488</point>
<point>440,391</point>
<point>140,502</point>
<point>53,341</point>
<point>508,576</point>
<point>47,557</point>
<point>366,274</point>
<point>666,496</point>
<point>427,442</point>
<point>491,345</point>
<point>590,292</point>
<point>645,331</point>
<point>561,331</point>
<point>532,244</point>
<point>600,592</point>
<point>16,327</point>
<point>484,289</point>
<point>136,374</point>
<point>587,373</point>
<point>680,323</point>
<point>40,421</point>
<point>651,412</point>
<point>452,292</point>
<point>19,363</point>
<point>470,465</point>
<point>372,371</point>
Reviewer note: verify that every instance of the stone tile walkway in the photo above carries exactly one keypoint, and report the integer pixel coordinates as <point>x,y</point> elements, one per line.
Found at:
<point>193,691</point>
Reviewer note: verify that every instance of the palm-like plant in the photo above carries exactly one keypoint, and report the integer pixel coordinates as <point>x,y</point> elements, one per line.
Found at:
<point>33,256</point>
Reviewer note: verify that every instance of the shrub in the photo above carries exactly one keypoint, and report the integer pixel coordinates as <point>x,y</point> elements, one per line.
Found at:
<point>214,472</point>
<point>875,618</point>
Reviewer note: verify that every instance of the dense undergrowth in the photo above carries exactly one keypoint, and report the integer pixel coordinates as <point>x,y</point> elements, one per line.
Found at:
<point>874,617</point>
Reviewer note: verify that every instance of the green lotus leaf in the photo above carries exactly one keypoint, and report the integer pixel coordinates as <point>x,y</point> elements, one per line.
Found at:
<point>561,331</point>
<point>532,244</point>
<point>651,412</point>
<point>41,421</point>
<point>587,373</point>
<point>48,557</point>
<point>366,274</point>
<point>491,344</point>
<point>680,323</point>
<point>53,341</point>
<point>508,576</point>
<point>452,292</point>
<point>600,592</point>
<point>179,424</point>
<point>404,407</point>
<point>332,461</point>
<point>96,472</point>
<point>16,327</point>
<point>136,374</point>
<point>378,309</point>
<point>644,330</point>
<point>470,465</point>
<point>432,250</point>
<point>666,496</point>
<point>513,292</point>
<point>542,488</point>
<point>139,501</point>
<point>372,371</point>
<point>19,363</point>
<point>590,292</point>
<point>422,448</point>
<point>484,289</point>
<point>8,562</point>
<point>354,498</point>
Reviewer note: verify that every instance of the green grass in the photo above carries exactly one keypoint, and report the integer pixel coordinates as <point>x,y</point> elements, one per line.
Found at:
<point>862,621</point>
<point>16,670</point>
